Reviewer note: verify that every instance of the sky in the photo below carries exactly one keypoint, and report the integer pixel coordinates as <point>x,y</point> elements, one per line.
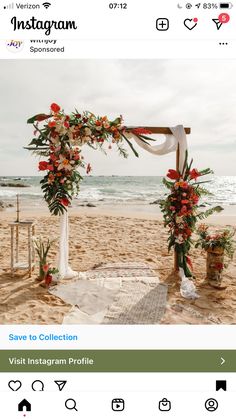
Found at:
<point>200,94</point>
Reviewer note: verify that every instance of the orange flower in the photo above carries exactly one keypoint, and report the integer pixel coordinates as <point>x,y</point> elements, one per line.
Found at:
<point>51,178</point>
<point>182,184</point>
<point>52,124</point>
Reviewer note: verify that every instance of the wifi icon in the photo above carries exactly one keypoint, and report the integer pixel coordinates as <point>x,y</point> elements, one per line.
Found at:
<point>46,5</point>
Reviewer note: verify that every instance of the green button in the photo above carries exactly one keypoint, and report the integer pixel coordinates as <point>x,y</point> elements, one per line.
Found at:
<point>118,361</point>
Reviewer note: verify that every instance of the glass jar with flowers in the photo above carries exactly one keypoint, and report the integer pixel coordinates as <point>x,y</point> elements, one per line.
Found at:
<point>219,246</point>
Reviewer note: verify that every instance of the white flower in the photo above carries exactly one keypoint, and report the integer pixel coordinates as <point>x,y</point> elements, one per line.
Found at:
<point>179,239</point>
<point>55,141</point>
<point>64,163</point>
<point>87,131</point>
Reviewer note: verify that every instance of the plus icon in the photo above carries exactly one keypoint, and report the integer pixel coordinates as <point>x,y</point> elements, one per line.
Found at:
<point>162,24</point>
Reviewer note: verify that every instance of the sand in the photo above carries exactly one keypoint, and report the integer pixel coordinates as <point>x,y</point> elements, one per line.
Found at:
<point>97,237</point>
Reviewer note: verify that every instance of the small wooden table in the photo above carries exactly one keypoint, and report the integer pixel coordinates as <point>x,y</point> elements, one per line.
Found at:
<point>15,263</point>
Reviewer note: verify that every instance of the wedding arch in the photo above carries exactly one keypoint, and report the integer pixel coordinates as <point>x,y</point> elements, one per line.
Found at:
<point>60,137</point>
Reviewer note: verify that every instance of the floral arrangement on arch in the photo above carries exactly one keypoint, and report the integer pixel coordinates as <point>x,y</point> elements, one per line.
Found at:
<point>182,210</point>
<point>60,139</point>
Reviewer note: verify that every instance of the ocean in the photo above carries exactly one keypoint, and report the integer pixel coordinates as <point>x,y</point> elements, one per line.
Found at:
<point>135,191</point>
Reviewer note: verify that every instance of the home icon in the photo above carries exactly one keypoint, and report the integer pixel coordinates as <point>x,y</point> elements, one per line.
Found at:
<point>24,405</point>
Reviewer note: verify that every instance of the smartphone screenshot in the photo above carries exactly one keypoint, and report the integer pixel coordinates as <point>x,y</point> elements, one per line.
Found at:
<point>117,209</point>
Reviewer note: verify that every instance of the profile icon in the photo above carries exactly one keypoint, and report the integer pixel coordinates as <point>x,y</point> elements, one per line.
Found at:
<point>37,385</point>
<point>211,405</point>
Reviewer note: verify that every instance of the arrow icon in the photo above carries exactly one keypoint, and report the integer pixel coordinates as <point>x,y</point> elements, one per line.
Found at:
<point>222,361</point>
<point>60,384</point>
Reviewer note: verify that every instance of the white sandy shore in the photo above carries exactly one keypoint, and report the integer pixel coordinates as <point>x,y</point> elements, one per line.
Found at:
<point>98,236</point>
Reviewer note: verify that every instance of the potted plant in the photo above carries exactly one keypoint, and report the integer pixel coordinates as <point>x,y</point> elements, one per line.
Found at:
<point>219,246</point>
<point>42,250</point>
<point>51,275</point>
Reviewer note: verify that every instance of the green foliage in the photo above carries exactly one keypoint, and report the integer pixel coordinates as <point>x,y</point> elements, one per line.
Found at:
<point>208,213</point>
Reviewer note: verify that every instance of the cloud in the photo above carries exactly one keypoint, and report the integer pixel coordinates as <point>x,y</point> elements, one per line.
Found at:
<point>198,93</point>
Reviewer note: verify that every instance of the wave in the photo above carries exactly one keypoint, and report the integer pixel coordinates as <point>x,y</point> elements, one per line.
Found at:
<point>126,189</point>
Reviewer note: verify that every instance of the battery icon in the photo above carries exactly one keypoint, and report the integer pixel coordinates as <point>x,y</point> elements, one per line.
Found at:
<point>226,5</point>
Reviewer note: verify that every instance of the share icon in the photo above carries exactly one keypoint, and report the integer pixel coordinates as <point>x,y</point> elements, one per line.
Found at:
<point>60,384</point>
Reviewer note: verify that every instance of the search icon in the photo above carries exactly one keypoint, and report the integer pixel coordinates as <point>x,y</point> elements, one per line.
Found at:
<point>71,404</point>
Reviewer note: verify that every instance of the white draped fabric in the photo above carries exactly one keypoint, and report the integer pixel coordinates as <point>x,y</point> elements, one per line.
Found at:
<point>65,272</point>
<point>169,145</point>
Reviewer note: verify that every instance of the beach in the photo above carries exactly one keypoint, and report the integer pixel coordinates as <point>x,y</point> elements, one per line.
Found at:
<point>110,235</point>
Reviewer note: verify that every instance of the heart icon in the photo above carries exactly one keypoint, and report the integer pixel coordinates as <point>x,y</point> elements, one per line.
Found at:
<point>191,23</point>
<point>15,385</point>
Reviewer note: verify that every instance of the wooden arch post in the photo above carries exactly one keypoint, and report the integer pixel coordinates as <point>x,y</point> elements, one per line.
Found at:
<point>166,130</point>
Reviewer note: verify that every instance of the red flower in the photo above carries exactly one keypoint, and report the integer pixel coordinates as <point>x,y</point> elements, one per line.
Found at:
<point>50,167</point>
<point>195,199</point>
<point>189,262</point>
<point>219,266</point>
<point>48,280</point>
<point>53,157</point>
<point>55,108</point>
<point>89,168</point>
<point>53,133</point>
<point>140,131</point>
<point>43,165</point>
<point>52,124</point>
<point>188,232</point>
<point>183,210</point>
<point>65,202</point>
<point>66,124</point>
<point>173,174</point>
<point>194,174</point>
<point>45,268</point>
<point>184,201</point>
